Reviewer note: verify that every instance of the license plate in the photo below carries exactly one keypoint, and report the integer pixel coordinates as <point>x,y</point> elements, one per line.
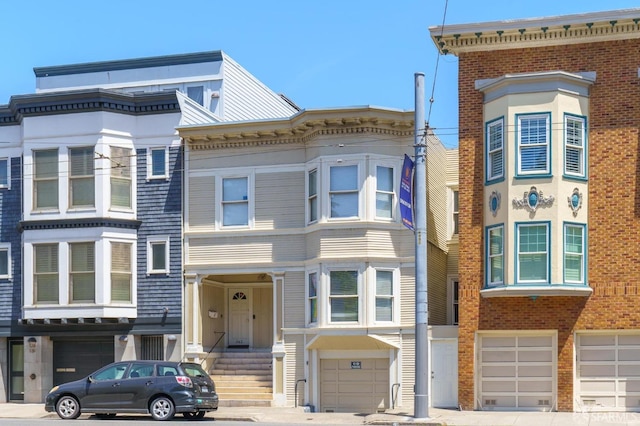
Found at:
<point>204,389</point>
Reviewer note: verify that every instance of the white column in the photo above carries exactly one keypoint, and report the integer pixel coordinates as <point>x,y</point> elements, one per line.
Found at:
<point>192,317</point>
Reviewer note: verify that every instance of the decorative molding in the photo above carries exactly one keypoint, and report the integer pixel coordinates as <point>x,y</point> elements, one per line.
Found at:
<point>494,202</point>
<point>533,199</point>
<point>79,223</point>
<point>575,201</point>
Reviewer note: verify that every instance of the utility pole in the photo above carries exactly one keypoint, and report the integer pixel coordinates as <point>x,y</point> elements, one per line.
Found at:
<point>421,400</point>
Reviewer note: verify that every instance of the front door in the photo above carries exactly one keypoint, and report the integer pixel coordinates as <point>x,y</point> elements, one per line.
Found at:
<point>444,373</point>
<point>16,370</point>
<point>240,313</point>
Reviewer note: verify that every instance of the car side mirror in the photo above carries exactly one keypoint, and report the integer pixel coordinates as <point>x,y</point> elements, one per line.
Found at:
<point>90,379</point>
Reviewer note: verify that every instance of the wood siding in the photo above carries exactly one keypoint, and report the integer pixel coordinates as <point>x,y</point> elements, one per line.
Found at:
<point>408,297</point>
<point>437,201</point>
<point>294,367</point>
<point>201,203</point>
<point>294,300</point>
<point>280,200</point>
<point>232,249</point>
<point>408,377</point>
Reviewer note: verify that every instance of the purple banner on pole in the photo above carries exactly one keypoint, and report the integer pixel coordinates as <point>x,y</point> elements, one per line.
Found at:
<point>406,193</point>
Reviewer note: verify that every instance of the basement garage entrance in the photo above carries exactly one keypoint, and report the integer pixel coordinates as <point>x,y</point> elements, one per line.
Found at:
<point>74,359</point>
<point>354,385</point>
<point>608,372</point>
<point>517,372</point>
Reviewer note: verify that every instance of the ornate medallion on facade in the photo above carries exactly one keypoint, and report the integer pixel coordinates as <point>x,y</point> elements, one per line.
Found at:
<point>533,199</point>
<point>494,203</point>
<point>575,201</point>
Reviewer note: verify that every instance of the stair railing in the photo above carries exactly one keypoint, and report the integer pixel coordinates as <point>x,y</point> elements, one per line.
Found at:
<point>221,333</point>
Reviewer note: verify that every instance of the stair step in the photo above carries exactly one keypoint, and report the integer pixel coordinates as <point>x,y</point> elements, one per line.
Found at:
<point>240,372</point>
<point>244,403</point>
<point>220,382</point>
<point>245,396</point>
<point>225,390</point>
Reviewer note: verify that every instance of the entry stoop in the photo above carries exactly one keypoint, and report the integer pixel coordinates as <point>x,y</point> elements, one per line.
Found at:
<point>243,379</point>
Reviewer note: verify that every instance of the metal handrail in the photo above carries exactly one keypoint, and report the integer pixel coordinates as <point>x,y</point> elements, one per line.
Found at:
<point>221,333</point>
<point>394,395</point>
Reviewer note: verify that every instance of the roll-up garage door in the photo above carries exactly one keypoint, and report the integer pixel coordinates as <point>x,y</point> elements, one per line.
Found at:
<point>75,359</point>
<point>354,385</point>
<point>516,372</point>
<point>608,372</point>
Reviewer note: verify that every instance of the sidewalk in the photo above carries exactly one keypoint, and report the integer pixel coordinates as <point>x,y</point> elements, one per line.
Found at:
<point>437,416</point>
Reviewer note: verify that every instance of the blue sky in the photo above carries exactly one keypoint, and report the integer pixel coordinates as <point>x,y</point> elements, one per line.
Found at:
<point>329,53</point>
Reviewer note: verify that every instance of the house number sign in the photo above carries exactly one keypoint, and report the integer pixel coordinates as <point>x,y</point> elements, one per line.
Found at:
<point>356,365</point>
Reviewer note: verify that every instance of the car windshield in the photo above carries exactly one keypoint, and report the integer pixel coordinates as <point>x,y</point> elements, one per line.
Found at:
<point>194,370</point>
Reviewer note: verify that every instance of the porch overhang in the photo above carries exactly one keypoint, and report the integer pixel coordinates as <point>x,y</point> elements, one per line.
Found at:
<point>351,342</point>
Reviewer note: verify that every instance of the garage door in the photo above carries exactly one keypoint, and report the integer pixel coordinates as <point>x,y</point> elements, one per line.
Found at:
<point>77,358</point>
<point>354,385</point>
<point>608,372</point>
<point>517,372</point>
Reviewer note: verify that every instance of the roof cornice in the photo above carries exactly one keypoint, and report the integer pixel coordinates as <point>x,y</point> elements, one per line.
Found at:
<point>155,61</point>
<point>537,32</point>
<point>87,101</point>
<point>299,128</point>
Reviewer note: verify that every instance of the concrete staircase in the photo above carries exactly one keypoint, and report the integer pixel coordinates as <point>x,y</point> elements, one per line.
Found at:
<point>243,379</point>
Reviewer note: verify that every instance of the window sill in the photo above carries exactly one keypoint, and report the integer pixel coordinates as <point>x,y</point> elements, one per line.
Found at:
<point>534,291</point>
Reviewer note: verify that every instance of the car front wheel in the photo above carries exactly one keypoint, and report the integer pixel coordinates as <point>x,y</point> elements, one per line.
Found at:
<point>68,407</point>
<point>162,409</point>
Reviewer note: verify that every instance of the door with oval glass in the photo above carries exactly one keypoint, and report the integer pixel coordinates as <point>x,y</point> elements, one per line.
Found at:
<point>240,313</point>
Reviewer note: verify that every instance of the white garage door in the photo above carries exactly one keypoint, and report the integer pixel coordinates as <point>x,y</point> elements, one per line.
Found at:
<point>354,385</point>
<point>608,372</point>
<point>517,372</point>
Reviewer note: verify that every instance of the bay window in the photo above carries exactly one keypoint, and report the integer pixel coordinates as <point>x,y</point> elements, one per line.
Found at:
<point>574,246</point>
<point>385,195</point>
<point>121,271</point>
<point>344,191</point>
<point>81,177</point>
<point>45,273</point>
<point>533,144</point>
<point>121,177</point>
<point>495,251</point>
<point>45,179</point>
<point>574,149</point>
<point>343,296</point>
<point>495,150</point>
<point>533,252</point>
<point>82,279</point>
<point>384,295</point>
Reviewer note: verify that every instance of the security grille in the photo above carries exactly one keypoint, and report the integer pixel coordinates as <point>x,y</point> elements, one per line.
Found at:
<point>152,348</point>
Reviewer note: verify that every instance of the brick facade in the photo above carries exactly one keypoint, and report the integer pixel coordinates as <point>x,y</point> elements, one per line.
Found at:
<point>613,216</point>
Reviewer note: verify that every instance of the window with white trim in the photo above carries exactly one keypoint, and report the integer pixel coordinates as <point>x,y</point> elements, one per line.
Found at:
<point>574,148</point>
<point>158,255</point>
<point>157,163</point>
<point>5,260</point>
<point>385,192</point>
<point>344,303</point>
<point>533,144</point>
<point>235,201</point>
<point>385,288</point>
<point>82,276</point>
<point>46,281</point>
<point>344,191</point>
<point>495,250</point>
<point>312,195</point>
<point>574,249</point>
<point>196,93</point>
<point>45,179</point>
<point>495,150</point>
<point>121,181</point>
<point>312,297</point>
<point>82,191</point>
<point>5,173</point>
<point>121,271</point>
<point>533,252</point>
<point>454,212</point>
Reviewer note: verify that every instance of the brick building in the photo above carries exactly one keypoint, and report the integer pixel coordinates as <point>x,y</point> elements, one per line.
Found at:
<point>549,211</point>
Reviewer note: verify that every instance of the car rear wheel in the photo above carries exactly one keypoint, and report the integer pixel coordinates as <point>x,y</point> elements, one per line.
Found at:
<point>162,409</point>
<point>68,407</point>
<point>194,416</point>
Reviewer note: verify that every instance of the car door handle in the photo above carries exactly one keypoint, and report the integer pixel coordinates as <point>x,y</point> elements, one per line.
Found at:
<point>115,385</point>
<point>149,383</point>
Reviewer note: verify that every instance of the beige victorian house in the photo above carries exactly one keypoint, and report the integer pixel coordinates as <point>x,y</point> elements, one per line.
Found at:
<point>299,274</point>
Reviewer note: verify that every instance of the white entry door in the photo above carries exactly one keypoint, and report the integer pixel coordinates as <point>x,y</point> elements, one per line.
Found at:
<point>444,373</point>
<point>239,317</point>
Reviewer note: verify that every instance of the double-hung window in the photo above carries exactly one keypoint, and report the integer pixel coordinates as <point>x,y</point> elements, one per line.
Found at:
<point>533,252</point>
<point>5,173</point>
<point>533,144</point>
<point>158,255</point>
<point>121,271</point>
<point>81,177</point>
<point>454,212</point>
<point>312,188</point>
<point>495,254</point>
<point>574,249</point>
<point>574,148</point>
<point>5,260</point>
<point>235,201</point>
<point>344,191</point>
<point>343,296</point>
<point>82,277</point>
<point>157,163</point>
<point>384,295</point>
<point>121,177</point>
<point>312,297</point>
<point>385,195</point>
<point>495,150</point>
<point>45,273</point>
<point>45,179</point>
